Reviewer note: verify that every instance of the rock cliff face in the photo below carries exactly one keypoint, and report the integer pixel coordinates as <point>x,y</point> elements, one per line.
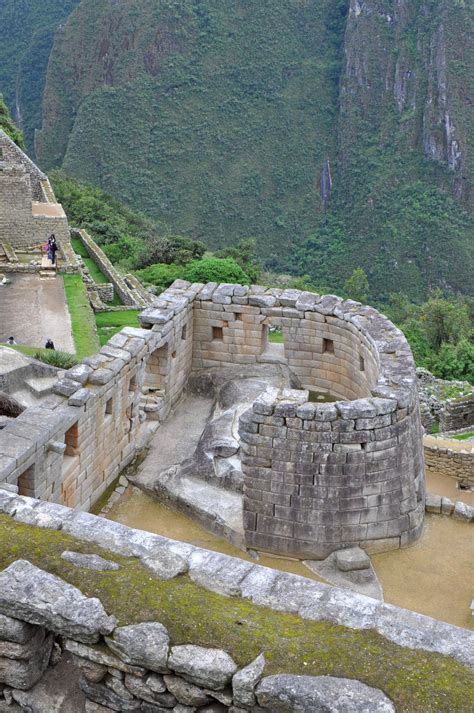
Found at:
<point>339,131</point>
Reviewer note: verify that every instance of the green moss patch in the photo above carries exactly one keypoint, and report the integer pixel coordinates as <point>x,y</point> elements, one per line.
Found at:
<point>416,681</point>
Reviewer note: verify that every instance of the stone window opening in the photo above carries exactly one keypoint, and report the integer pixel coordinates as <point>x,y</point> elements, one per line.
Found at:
<point>71,439</point>
<point>218,334</point>
<point>26,482</point>
<point>156,370</point>
<point>109,407</point>
<point>238,316</point>
<point>184,332</point>
<point>361,363</point>
<point>132,384</point>
<point>328,346</point>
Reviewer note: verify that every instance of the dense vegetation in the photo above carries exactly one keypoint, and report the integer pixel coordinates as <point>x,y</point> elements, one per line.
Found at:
<point>219,118</point>
<point>28,30</point>
<point>7,125</point>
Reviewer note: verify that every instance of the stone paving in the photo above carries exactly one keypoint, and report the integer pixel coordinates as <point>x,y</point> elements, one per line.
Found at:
<point>32,310</point>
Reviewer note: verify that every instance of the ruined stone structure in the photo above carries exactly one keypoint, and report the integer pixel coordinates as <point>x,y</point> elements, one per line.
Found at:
<point>29,212</point>
<point>317,477</point>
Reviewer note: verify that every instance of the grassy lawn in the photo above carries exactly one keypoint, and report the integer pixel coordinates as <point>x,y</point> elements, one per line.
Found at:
<point>94,270</point>
<point>463,436</point>
<point>82,317</point>
<point>417,681</point>
<point>109,323</point>
<point>55,357</point>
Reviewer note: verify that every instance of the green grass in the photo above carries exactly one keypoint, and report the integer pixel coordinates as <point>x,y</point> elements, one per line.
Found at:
<point>276,337</point>
<point>95,272</point>
<point>109,323</point>
<point>54,357</point>
<point>417,681</point>
<point>82,317</point>
<point>463,436</point>
<point>434,427</point>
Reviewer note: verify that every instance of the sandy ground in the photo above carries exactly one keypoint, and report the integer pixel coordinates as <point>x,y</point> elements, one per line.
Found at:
<point>32,310</point>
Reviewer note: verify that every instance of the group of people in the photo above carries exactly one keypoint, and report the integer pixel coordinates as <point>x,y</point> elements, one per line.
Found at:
<point>49,342</point>
<point>51,248</point>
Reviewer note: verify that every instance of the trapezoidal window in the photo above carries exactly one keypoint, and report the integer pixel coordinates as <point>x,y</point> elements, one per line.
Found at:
<point>71,440</point>
<point>361,363</point>
<point>156,369</point>
<point>109,407</point>
<point>217,334</point>
<point>26,482</point>
<point>184,332</point>
<point>132,384</point>
<point>328,346</point>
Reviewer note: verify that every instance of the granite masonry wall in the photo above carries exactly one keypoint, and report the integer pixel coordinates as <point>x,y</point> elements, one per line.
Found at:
<point>129,295</point>
<point>28,209</point>
<point>317,477</point>
<point>450,462</point>
<point>457,414</point>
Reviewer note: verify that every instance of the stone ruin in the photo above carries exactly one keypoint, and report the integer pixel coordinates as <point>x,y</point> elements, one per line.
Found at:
<point>29,212</point>
<point>314,477</point>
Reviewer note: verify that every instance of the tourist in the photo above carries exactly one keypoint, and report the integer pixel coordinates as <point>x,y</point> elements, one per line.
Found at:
<point>49,343</point>
<point>11,340</point>
<point>52,248</point>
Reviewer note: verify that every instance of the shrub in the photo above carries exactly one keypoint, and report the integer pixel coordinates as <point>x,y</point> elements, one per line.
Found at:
<point>215,269</point>
<point>54,357</point>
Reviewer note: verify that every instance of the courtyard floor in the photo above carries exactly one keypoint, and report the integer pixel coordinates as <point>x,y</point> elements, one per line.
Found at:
<point>31,310</point>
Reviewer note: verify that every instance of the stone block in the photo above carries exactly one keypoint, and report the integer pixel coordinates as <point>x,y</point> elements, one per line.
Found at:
<point>433,503</point>
<point>209,668</point>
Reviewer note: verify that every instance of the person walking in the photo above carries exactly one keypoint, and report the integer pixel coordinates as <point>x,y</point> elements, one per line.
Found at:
<point>52,248</point>
<point>11,340</point>
<point>49,343</point>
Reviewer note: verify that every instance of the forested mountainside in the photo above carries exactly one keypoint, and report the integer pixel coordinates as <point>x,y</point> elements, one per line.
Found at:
<point>338,133</point>
<point>28,28</point>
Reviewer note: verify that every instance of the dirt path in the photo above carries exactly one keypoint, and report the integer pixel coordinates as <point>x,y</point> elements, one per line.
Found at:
<point>32,310</point>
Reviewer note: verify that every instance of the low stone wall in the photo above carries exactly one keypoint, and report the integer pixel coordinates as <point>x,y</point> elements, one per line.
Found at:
<point>311,600</point>
<point>457,414</point>
<point>137,667</point>
<point>131,297</point>
<point>56,451</point>
<point>450,462</point>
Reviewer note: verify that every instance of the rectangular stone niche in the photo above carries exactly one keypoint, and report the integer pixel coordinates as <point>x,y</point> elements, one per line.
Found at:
<point>328,346</point>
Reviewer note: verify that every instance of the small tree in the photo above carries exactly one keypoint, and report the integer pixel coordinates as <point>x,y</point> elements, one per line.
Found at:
<point>445,321</point>
<point>357,285</point>
<point>8,126</point>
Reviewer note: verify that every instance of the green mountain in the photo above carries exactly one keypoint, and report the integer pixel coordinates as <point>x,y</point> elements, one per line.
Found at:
<point>28,28</point>
<point>338,133</point>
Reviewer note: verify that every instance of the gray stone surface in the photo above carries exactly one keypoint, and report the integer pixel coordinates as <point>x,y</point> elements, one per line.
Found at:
<point>186,693</point>
<point>15,630</point>
<point>141,688</point>
<point>93,562</point>
<point>245,681</point>
<point>102,655</point>
<point>351,559</point>
<point>144,645</point>
<point>361,580</point>
<point>99,693</point>
<point>56,692</point>
<point>210,668</point>
<point>41,598</point>
<point>321,694</point>
<point>166,564</point>
<point>24,673</point>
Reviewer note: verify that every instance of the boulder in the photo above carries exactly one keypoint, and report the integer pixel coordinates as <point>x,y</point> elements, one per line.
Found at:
<point>210,668</point>
<point>186,693</point>
<point>42,598</point>
<point>351,559</point>
<point>93,562</point>
<point>320,694</point>
<point>245,681</point>
<point>144,645</point>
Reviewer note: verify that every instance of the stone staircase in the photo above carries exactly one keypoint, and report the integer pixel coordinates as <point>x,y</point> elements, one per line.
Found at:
<point>48,270</point>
